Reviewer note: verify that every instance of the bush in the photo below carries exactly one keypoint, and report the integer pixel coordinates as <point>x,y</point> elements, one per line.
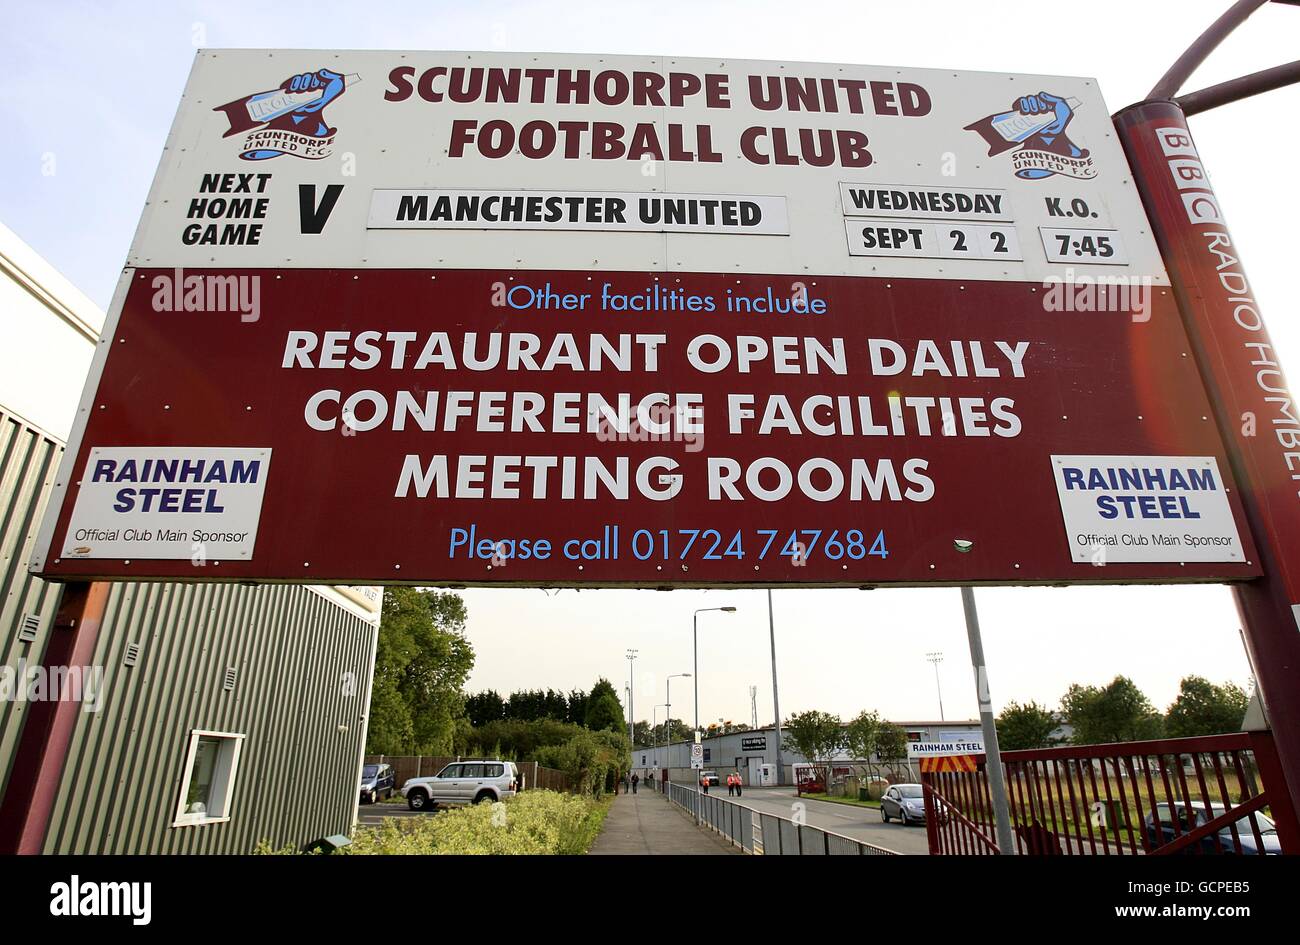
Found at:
<point>536,822</point>
<point>593,761</point>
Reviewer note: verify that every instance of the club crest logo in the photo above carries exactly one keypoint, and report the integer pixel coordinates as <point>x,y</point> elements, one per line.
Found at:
<point>289,119</point>
<point>1035,128</point>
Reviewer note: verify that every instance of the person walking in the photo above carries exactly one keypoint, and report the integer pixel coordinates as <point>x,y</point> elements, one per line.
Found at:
<point>731,784</point>
<point>650,778</point>
<point>704,783</point>
<point>740,783</point>
<point>636,779</point>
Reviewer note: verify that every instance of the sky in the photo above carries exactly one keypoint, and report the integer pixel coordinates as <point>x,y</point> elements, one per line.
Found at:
<point>89,92</point>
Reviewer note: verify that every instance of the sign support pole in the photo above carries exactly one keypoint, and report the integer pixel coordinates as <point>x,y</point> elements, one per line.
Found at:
<point>39,759</point>
<point>992,754</point>
<point>1252,406</point>
<point>776,701</point>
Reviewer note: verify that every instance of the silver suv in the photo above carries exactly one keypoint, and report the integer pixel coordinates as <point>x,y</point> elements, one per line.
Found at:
<point>463,782</point>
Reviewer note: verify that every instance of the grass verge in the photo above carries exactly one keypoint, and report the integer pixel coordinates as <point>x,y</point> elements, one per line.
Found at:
<point>851,801</point>
<point>535,822</point>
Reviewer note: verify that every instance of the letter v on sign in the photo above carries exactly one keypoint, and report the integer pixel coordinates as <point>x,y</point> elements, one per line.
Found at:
<point>311,215</point>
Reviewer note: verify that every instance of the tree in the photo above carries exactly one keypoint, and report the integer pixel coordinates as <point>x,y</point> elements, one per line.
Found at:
<point>1118,712</point>
<point>674,730</point>
<point>515,739</point>
<point>891,743</point>
<point>604,710</point>
<point>484,707</point>
<point>1202,708</point>
<point>818,736</point>
<point>1026,726</point>
<point>576,707</point>
<point>530,704</point>
<point>862,734</point>
<point>421,662</point>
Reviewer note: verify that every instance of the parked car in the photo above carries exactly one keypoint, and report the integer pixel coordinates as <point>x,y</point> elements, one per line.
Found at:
<point>1194,815</point>
<point>463,782</point>
<point>904,801</point>
<point>712,777</point>
<point>377,782</point>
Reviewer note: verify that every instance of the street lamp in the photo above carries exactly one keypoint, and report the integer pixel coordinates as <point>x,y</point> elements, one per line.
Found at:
<point>631,711</point>
<point>936,658</point>
<point>776,701</point>
<point>695,635</point>
<point>654,723</point>
<point>668,722</point>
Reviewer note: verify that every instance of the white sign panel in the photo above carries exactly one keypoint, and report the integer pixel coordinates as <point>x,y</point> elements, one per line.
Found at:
<point>1072,245</point>
<point>922,203</point>
<point>307,159</point>
<point>1145,508</point>
<point>628,212</point>
<point>697,755</point>
<point>200,503</point>
<point>947,747</point>
<point>932,240</point>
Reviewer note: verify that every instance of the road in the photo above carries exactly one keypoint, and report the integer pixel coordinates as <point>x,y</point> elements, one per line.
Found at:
<point>859,823</point>
<point>372,815</point>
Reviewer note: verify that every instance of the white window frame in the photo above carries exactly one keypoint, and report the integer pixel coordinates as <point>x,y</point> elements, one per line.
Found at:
<point>223,780</point>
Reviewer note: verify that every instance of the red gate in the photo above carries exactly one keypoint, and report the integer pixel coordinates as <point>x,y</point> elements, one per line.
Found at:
<point>1206,795</point>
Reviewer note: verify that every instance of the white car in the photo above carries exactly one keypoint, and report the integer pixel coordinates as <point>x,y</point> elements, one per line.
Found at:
<point>463,782</point>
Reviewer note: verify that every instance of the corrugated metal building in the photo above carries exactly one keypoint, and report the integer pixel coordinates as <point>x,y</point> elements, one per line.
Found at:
<point>212,716</point>
<point>743,751</point>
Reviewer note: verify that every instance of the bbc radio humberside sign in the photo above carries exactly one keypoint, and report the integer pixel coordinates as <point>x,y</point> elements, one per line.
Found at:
<point>452,318</point>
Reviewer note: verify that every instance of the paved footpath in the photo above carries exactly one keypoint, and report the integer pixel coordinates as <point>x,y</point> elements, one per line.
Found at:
<point>646,823</point>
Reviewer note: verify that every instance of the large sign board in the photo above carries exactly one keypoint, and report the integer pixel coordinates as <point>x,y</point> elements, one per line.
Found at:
<point>582,320</point>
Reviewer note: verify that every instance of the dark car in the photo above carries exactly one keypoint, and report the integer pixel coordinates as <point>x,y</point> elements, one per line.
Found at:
<point>1195,815</point>
<point>377,782</point>
<point>904,801</point>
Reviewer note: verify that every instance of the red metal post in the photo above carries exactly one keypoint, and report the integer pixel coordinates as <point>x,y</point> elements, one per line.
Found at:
<point>43,748</point>
<point>1270,772</point>
<point>1256,414</point>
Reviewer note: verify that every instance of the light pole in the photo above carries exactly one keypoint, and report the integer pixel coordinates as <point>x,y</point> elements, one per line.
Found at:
<point>668,722</point>
<point>695,636</point>
<point>631,710</point>
<point>654,723</point>
<point>695,639</point>
<point>992,753</point>
<point>936,658</point>
<point>776,702</point>
<point>988,725</point>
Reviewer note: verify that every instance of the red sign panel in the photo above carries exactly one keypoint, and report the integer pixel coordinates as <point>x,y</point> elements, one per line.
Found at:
<point>630,428</point>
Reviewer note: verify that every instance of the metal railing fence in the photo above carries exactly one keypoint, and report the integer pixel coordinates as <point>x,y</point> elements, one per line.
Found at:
<point>766,834</point>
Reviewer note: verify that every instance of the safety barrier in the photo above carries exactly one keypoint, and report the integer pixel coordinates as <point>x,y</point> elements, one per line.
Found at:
<point>766,834</point>
<point>1208,795</point>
